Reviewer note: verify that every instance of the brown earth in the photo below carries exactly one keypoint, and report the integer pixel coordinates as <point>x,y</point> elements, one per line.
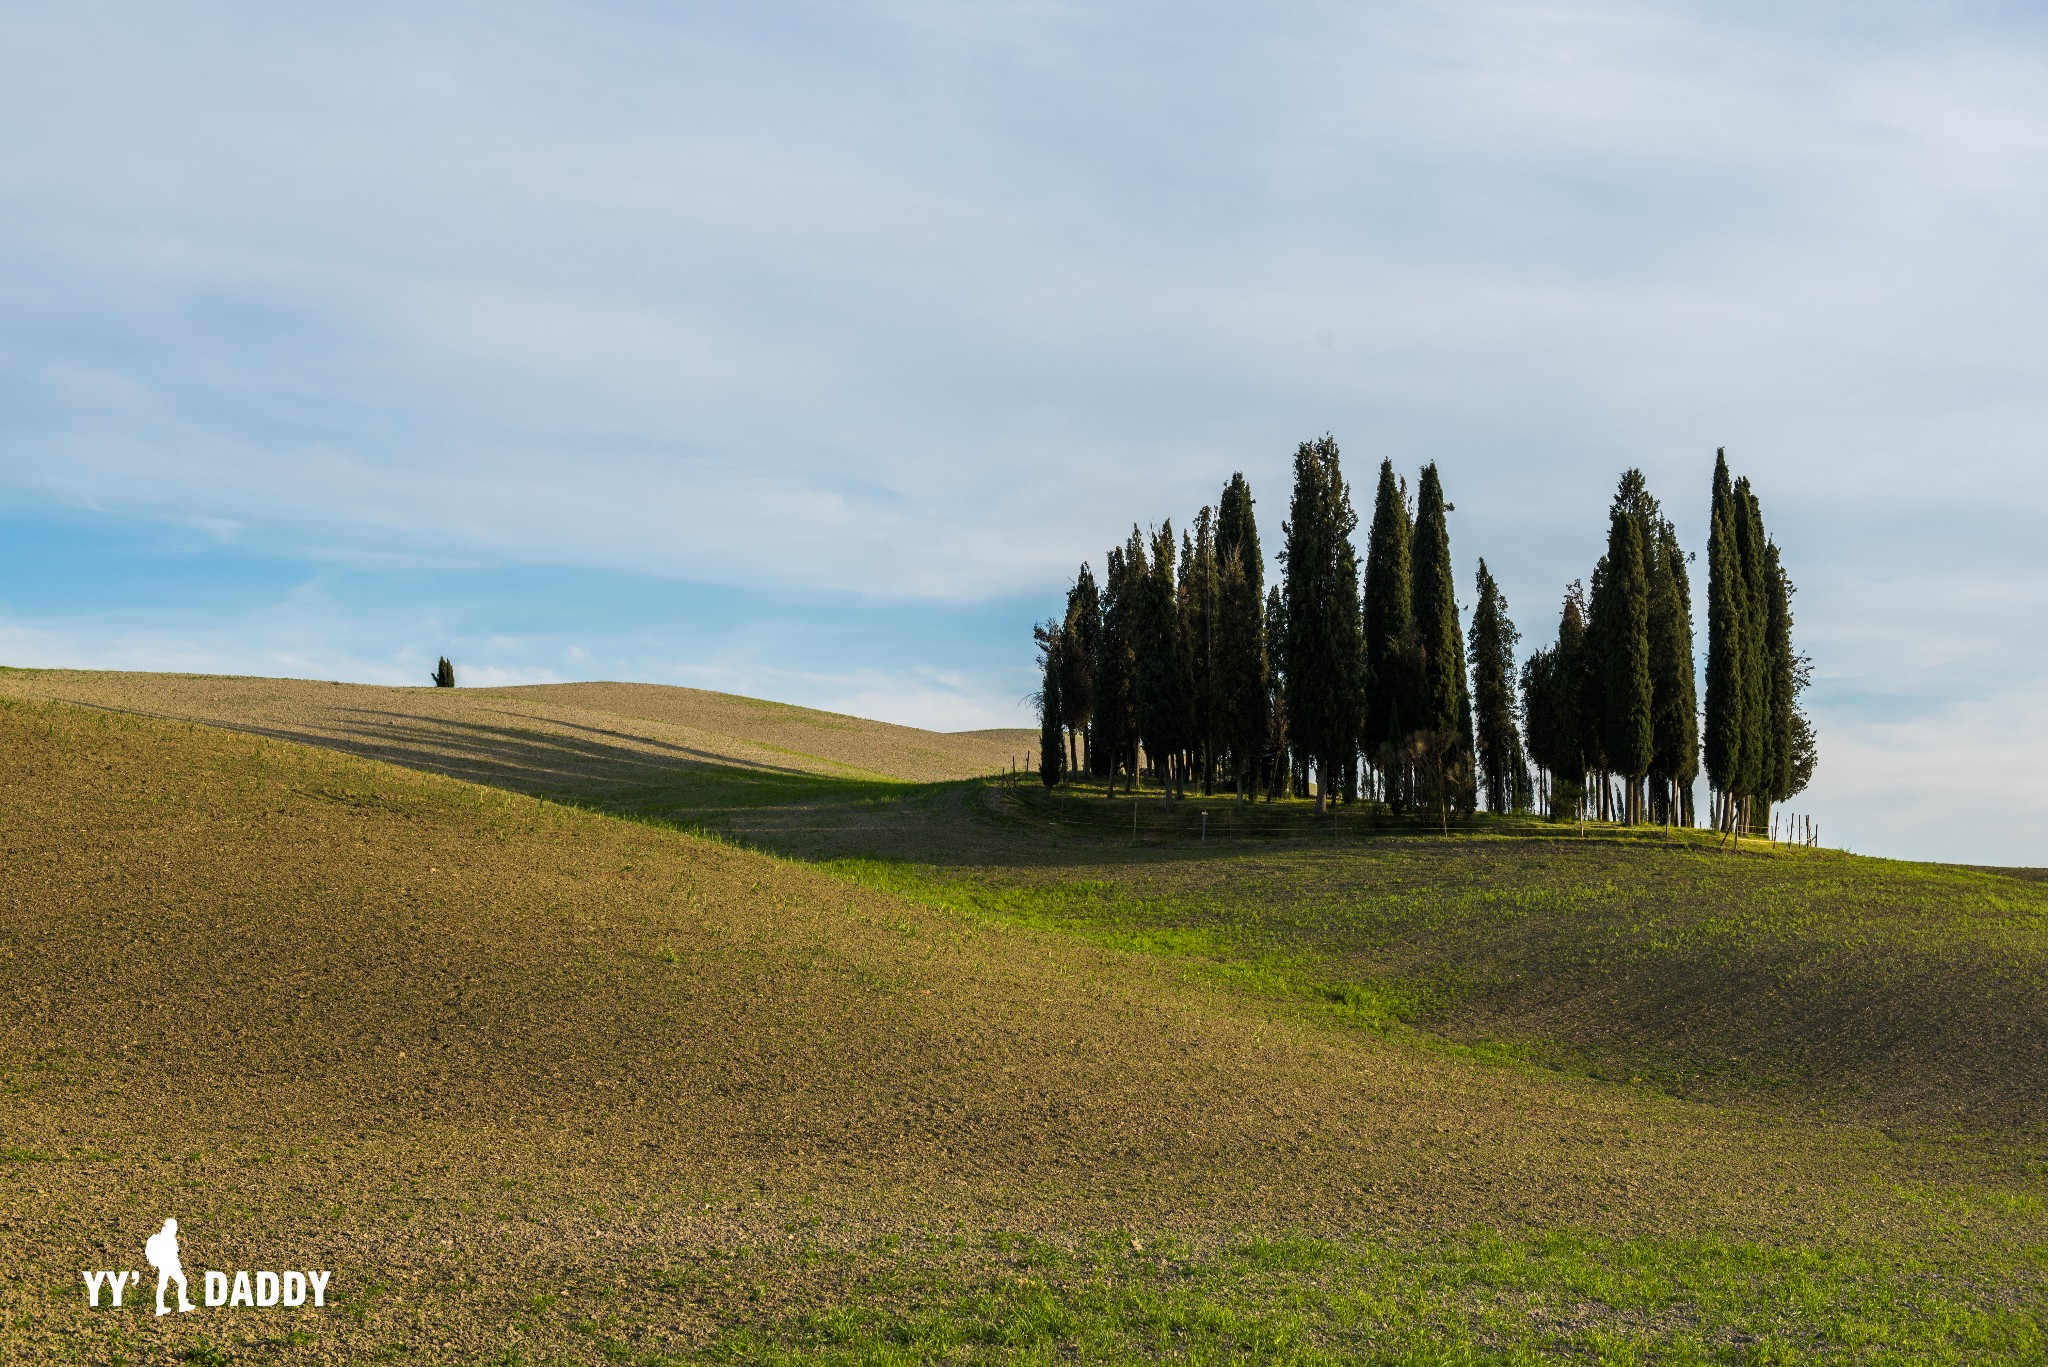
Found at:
<point>468,1049</point>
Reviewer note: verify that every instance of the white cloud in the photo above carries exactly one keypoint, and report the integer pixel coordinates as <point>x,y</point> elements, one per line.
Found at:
<point>1966,784</point>
<point>909,302</point>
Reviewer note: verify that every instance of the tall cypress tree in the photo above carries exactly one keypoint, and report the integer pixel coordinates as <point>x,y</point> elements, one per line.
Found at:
<point>1390,682</point>
<point>1499,740</point>
<point>1757,760</point>
<point>1079,633</point>
<point>1675,759</point>
<point>1115,728</point>
<point>1279,740</point>
<point>1444,705</point>
<point>1324,652</point>
<point>1551,699</point>
<point>1592,684</point>
<point>1627,733</point>
<point>1200,590</point>
<point>1241,673</point>
<point>1539,679</point>
<point>1237,533</point>
<point>1727,622</point>
<point>1674,693</point>
<point>1052,751</point>
<point>1165,703</point>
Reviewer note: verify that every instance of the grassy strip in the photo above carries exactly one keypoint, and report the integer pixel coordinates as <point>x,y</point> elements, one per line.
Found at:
<point>1102,914</point>
<point>1475,1297</point>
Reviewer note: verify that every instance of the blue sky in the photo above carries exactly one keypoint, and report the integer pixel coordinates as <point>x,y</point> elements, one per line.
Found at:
<point>804,350</point>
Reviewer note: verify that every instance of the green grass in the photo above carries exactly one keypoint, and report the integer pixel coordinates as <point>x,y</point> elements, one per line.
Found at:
<point>1474,1297</point>
<point>1907,993</point>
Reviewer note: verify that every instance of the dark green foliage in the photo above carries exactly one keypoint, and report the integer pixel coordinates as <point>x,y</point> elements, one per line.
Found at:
<point>444,674</point>
<point>1279,742</point>
<point>1237,533</point>
<point>1442,701</point>
<point>1079,635</point>
<point>1675,757</point>
<point>1165,693</point>
<point>1792,749</point>
<point>1754,773</point>
<point>1727,621</point>
<point>1388,626</point>
<point>1499,740</point>
<point>1242,676</point>
<point>1551,697</point>
<point>1115,686</point>
<point>1626,732</point>
<point>1052,750</point>
<point>1324,652</point>
<point>1777,690</point>
<point>1200,589</point>
<point>1759,745</point>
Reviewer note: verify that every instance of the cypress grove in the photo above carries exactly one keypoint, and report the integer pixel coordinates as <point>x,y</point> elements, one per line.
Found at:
<point>1176,667</point>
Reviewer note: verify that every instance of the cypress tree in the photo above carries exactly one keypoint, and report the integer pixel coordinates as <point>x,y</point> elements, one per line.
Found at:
<point>444,674</point>
<point>1675,760</point>
<point>1627,734</point>
<point>1082,631</point>
<point>1793,751</point>
<point>1444,705</point>
<point>1499,740</point>
<point>1279,741</point>
<point>1324,653</point>
<point>1165,704</point>
<point>1539,673</point>
<point>1757,760</point>
<point>1052,751</point>
<point>1237,533</point>
<point>1389,592</point>
<point>1115,730</point>
<point>1592,686</point>
<point>1552,693</point>
<point>1200,590</point>
<point>1243,678</point>
<point>1727,619</point>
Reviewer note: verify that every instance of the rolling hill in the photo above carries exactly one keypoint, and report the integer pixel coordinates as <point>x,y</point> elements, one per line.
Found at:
<point>541,1082</point>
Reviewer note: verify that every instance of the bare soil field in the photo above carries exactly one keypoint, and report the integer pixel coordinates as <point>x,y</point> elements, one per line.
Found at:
<point>543,1084</point>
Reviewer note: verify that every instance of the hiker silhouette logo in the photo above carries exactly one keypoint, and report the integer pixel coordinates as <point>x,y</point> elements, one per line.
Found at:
<point>258,1290</point>
<point>161,1253</point>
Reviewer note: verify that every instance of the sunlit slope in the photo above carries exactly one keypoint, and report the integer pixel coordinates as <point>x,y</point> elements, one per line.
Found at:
<point>559,738</point>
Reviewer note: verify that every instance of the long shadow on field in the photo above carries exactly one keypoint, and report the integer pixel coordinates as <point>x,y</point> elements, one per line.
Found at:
<point>543,762</point>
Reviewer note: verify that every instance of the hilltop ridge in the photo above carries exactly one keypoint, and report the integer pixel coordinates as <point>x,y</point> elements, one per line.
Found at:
<point>560,738</point>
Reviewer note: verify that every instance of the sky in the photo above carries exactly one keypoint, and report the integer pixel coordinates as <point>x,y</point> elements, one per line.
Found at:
<point>805,350</point>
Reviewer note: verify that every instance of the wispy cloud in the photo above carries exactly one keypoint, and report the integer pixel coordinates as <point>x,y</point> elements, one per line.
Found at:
<point>906,304</point>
